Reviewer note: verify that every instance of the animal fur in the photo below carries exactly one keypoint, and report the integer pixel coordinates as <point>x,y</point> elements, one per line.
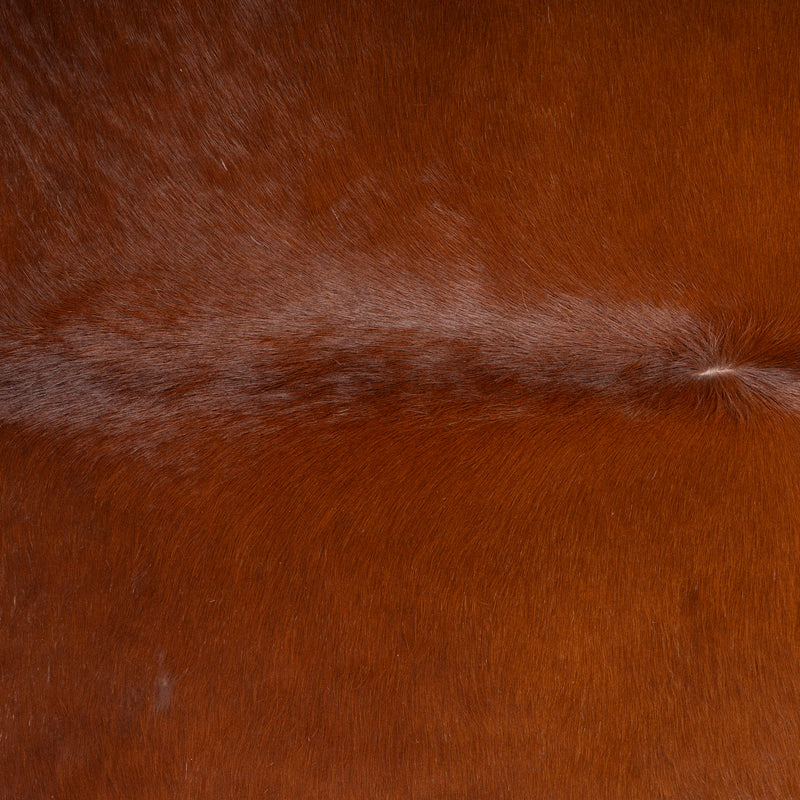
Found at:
<point>399,400</point>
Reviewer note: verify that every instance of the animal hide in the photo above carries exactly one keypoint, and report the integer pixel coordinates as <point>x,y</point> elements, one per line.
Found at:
<point>399,400</point>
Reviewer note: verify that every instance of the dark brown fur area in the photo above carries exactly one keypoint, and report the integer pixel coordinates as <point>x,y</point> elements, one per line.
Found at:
<point>399,400</point>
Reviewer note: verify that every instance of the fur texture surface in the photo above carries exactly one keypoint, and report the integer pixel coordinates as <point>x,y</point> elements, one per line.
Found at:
<point>399,400</point>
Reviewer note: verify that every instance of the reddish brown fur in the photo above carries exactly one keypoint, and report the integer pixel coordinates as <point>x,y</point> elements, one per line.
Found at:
<point>399,400</point>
